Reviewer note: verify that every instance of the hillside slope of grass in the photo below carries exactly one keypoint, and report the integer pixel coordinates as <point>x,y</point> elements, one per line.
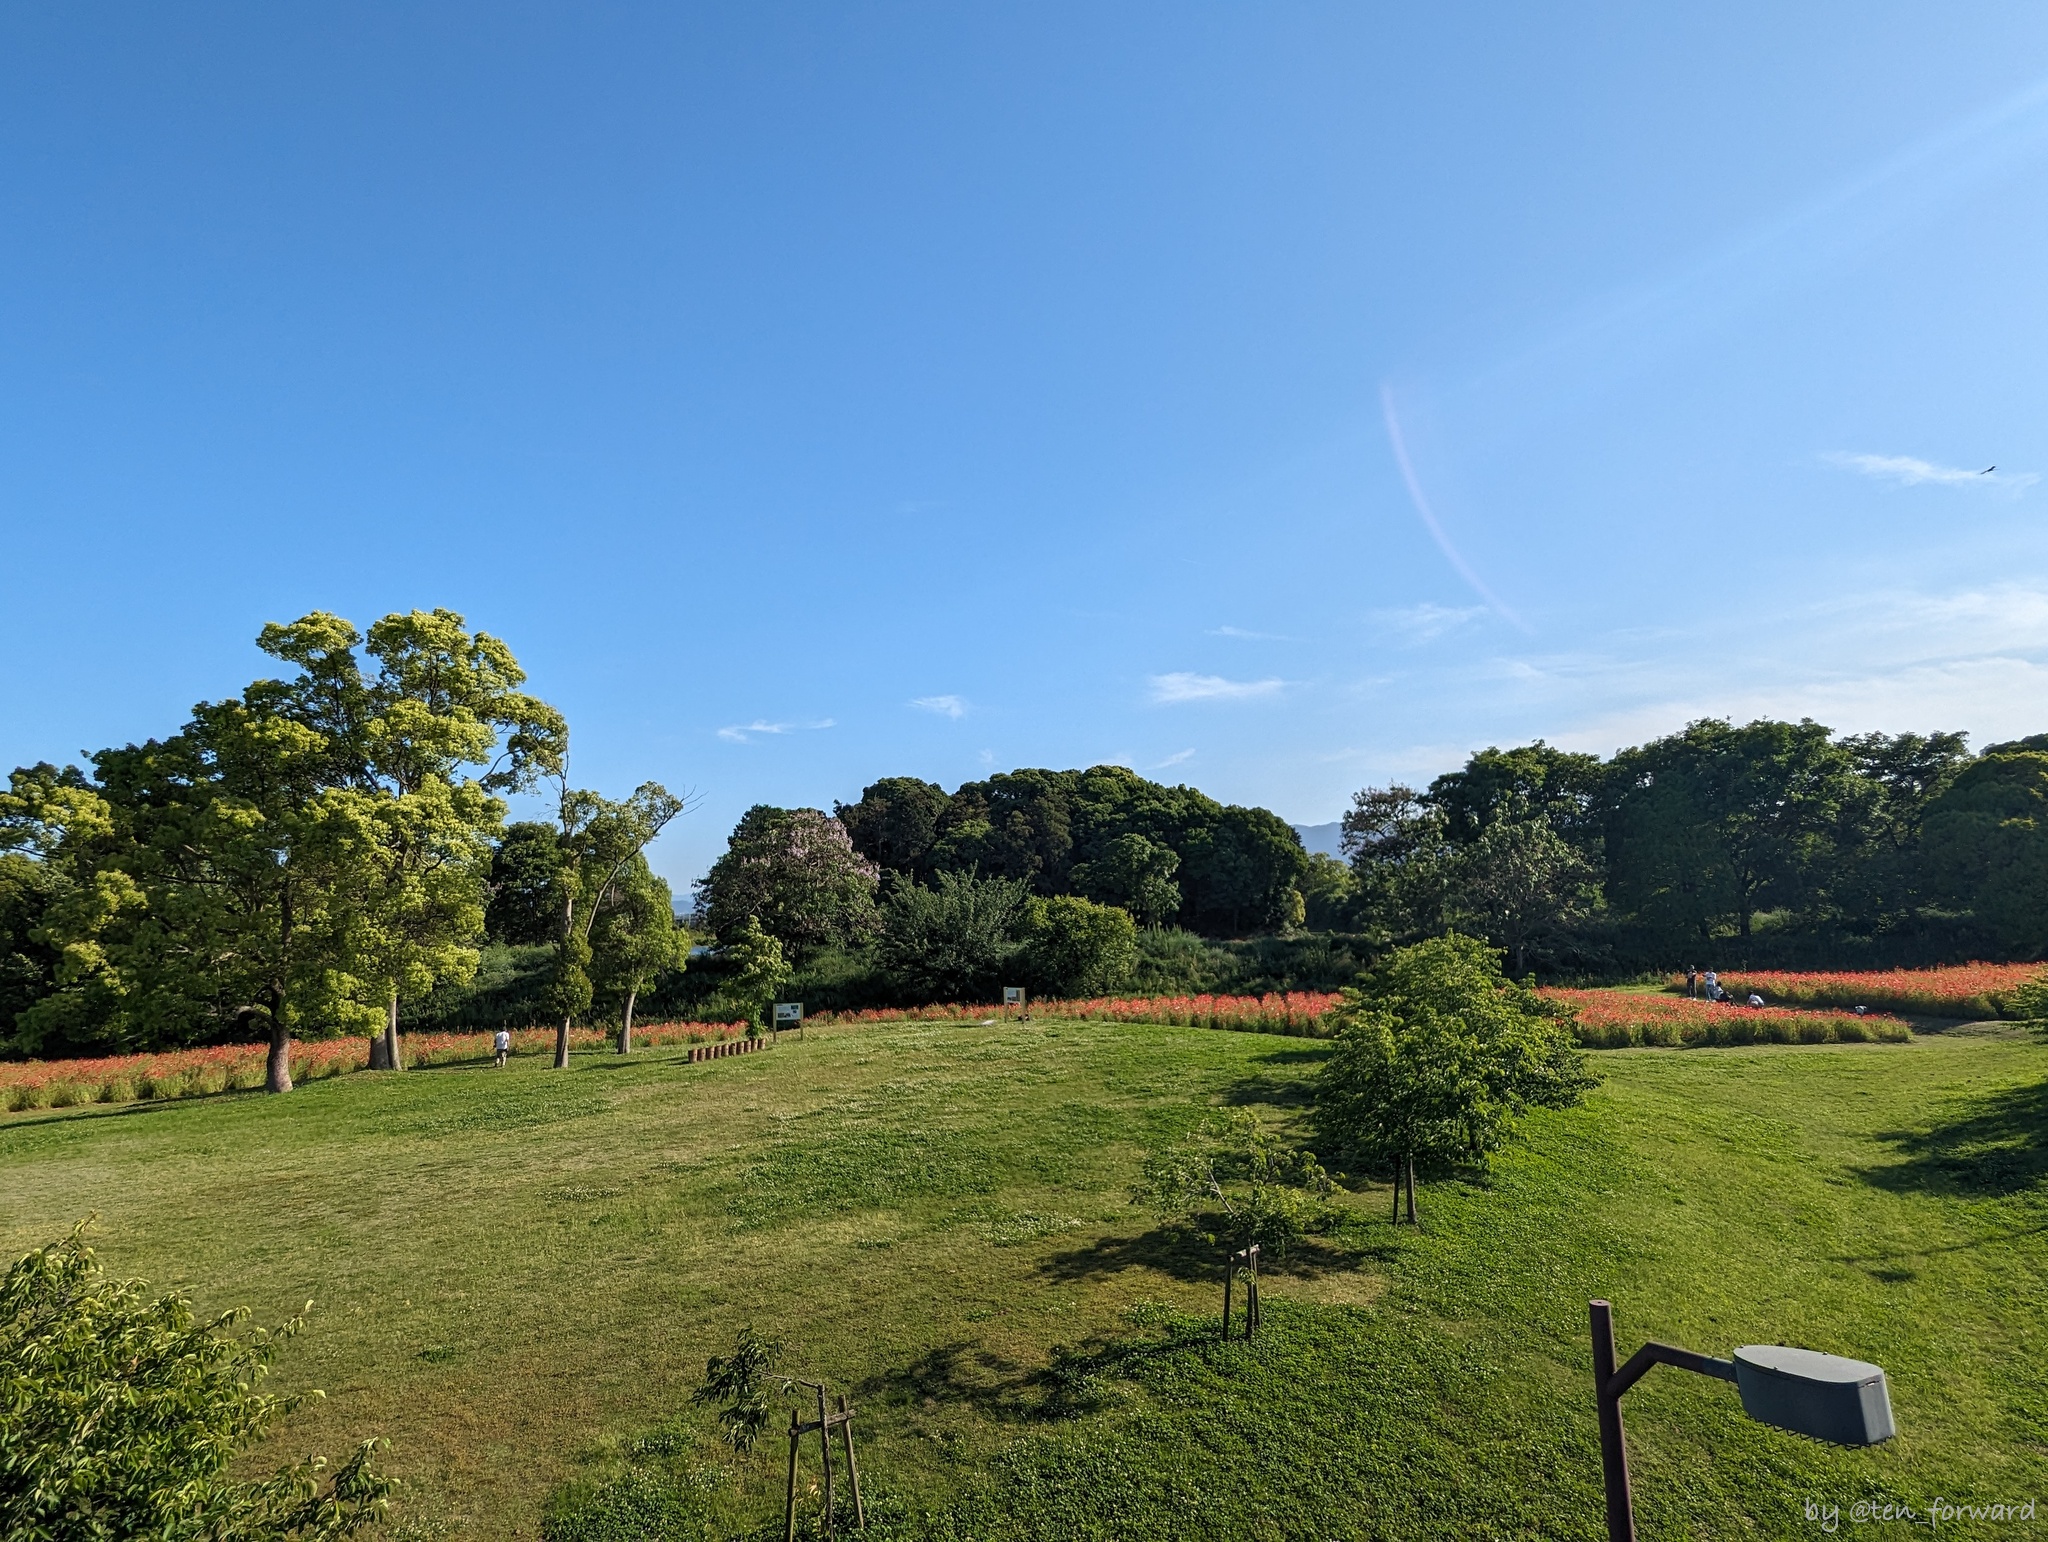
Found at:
<point>517,1273</point>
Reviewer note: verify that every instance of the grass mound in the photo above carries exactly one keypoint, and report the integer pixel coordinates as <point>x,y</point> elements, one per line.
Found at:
<point>519,1274</point>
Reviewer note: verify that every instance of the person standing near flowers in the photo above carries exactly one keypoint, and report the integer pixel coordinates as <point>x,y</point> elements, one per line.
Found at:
<point>501,1045</point>
<point>1692,980</point>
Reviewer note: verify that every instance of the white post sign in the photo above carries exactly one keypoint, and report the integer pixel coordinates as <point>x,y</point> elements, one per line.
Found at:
<point>789,1014</point>
<point>1013,996</point>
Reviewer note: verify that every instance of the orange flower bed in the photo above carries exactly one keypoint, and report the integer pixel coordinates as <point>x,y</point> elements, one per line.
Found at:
<point>26,1084</point>
<point>1953,990</point>
<point>1612,1019</point>
<point>1291,1012</point>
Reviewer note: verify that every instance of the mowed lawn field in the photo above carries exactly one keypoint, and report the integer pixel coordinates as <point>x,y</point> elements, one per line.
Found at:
<point>516,1273</point>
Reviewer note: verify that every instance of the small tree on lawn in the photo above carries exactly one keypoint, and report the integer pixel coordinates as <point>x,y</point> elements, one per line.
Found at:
<point>1438,1056</point>
<point>1241,1180</point>
<point>126,1418</point>
<point>759,971</point>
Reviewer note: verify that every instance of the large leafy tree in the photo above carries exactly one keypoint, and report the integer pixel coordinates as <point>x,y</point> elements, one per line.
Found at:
<point>1986,842</point>
<point>1135,873</point>
<point>1242,873</point>
<point>1880,876</point>
<point>1560,787</point>
<point>1399,847</point>
<point>1521,885</point>
<point>1075,947</point>
<point>895,823</point>
<point>1438,1056</point>
<point>1707,827</point>
<point>796,872</point>
<point>293,857</point>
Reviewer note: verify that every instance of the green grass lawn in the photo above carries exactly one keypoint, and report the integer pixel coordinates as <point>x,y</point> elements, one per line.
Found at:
<point>519,1272</point>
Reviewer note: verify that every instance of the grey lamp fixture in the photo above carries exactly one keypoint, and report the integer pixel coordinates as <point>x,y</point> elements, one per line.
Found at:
<point>1827,1397</point>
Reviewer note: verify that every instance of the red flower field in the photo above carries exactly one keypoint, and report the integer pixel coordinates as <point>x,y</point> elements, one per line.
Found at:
<point>26,1084</point>
<point>1953,990</point>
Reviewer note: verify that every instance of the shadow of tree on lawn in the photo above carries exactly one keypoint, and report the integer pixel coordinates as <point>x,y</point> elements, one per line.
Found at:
<point>1996,1145</point>
<point>1187,1254</point>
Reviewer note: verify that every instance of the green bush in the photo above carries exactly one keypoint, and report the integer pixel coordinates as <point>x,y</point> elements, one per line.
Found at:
<point>123,1418</point>
<point>1075,947</point>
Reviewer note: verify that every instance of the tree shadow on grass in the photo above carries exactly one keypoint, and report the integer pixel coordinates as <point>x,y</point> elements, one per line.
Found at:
<point>961,1372</point>
<point>1186,1254</point>
<point>1273,1087</point>
<point>1998,1145</point>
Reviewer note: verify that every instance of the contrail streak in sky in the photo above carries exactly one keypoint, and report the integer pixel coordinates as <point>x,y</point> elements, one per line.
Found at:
<point>1436,531</point>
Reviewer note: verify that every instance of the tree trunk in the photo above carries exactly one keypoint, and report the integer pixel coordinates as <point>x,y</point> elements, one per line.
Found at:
<point>626,1027</point>
<point>1397,1191</point>
<point>1410,1165</point>
<point>562,1045</point>
<point>277,1073</point>
<point>392,1061</point>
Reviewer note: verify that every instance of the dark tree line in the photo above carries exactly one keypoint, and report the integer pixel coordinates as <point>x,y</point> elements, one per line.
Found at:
<point>1164,854</point>
<point>1768,839</point>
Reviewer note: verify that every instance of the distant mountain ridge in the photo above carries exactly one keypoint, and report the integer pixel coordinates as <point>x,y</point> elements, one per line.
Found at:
<point>1326,839</point>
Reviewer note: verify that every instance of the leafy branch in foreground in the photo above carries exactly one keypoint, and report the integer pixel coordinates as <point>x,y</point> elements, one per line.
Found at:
<point>123,1416</point>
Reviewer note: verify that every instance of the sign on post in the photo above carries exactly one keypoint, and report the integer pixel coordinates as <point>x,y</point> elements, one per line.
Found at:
<point>1013,996</point>
<point>789,1014</point>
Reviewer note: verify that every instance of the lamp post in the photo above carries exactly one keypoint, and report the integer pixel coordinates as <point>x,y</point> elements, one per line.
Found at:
<point>1845,1402</point>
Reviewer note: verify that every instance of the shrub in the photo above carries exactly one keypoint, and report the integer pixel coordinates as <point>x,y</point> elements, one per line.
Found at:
<point>21,1098</point>
<point>63,1095</point>
<point>124,1418</point>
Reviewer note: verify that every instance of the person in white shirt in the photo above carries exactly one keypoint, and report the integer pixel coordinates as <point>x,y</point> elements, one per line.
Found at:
<point>501,1043</point>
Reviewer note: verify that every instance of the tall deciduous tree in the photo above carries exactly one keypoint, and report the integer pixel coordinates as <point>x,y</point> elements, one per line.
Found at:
<point>1521,883</point>
<point>1134,873</point>
<point>951,941</point>
<point>1399,847</point>
<point>795,871</point>
<point>634,940</point>
<point>599,839</point>
<point>895,823</point>
<point>1709,826</point>
<point>1437,1057</point>
<point>293,855</point>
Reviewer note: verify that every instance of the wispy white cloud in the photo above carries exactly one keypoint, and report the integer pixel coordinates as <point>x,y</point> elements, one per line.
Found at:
<point>743,733</point>
<point>944,706</point>
<point>1182,686</point>
<point>1426,622</point>
<point>1244,635</point>
<point>1173,760</point>
<point>1911,471</point>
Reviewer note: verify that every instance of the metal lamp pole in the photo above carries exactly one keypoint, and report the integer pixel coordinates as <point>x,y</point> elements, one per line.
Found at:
<point>1827,1397</point>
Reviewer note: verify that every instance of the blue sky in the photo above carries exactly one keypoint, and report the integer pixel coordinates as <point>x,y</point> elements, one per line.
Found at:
<point>1281,399</point>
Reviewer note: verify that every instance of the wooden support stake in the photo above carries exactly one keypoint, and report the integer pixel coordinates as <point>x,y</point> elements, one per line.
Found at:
<point>825,1449</point>
<point>1229,1278</point>
<point>1252,1291</point>
<point>860,1514</point>
<point>789,1509</point>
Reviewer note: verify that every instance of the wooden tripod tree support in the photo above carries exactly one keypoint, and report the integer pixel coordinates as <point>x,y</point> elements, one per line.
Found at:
<point>824,1424</point>
<point>1249,1259</point>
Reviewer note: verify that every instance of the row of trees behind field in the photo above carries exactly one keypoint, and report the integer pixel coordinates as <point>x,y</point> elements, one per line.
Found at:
<point>1771,841</point>
<point>329,853</point>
